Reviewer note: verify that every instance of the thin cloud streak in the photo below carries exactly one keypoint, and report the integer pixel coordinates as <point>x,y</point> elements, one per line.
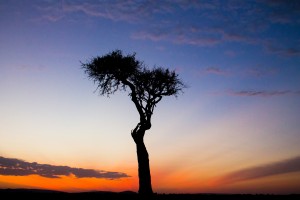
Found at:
<point>262,93</point>
<point>261,171</point>
<point>26,68</point>
<point>215,70</point>
<point>261,72</point>
<point>17,167</point>
<point>177,35</point>
<point>274,48</point>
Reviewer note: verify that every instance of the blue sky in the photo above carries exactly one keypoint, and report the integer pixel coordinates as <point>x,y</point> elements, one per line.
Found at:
<point>240,60</point>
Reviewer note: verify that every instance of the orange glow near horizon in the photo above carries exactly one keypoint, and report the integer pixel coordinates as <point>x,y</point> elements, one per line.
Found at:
<point>69,183</point>
<point>172,178</point>
<point>180,183</point>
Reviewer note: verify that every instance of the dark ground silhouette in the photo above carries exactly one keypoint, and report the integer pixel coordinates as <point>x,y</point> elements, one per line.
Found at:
<point>56,195</point>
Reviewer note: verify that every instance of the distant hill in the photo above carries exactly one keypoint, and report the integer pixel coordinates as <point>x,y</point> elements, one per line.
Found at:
<point>23,190</point>
<point>33,194</point>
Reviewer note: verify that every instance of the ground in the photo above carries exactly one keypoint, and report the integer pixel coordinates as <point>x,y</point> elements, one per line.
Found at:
<point>47,195</point>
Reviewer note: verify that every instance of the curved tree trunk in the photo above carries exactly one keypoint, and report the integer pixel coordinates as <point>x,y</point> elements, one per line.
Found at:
<point>145,187</point>
<point>144,169</point>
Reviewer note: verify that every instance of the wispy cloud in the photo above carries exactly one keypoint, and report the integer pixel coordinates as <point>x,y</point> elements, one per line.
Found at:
<point>283,11</point>
<point>261,171</point>
<point>262,93</point>
<point>256,72</point>
<point>215,70</point>
<point>178,35</point>
<point>17,167</point>
<point>277,48</point>
<point>228,22</point>
<point>230,53</point>
<point>28,68</point>
<point>129,11</point>
<point>261,71</point>
<point>211,22</point>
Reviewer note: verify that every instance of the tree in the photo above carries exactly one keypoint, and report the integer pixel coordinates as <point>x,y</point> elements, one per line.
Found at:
<point>115,71</point>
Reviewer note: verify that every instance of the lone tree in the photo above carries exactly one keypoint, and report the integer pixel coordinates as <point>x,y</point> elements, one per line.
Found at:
<point>115,71</point>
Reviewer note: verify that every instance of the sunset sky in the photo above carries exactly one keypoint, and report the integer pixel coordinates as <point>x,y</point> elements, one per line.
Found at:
<point>235,129</point>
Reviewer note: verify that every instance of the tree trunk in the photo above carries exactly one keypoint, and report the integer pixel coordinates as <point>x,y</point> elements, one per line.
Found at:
<point>145,187</point>
<point>144,169</point>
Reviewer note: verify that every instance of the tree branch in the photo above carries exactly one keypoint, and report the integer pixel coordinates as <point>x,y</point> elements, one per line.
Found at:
<point>135,100</point>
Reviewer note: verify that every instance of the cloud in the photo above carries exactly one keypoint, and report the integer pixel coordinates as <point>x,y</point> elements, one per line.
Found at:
<point>262,93</point>
<point>182,22</point>
<point>230,53</point>
<point>215,70</point>
<point>31,68</point>
<point>283,11</point>
<point>261,71</point>
<point>221,22</point>
<point>276,48</point>
<point>154,36</point>
<point>129,11</point>
<point>261,171</point>
<point>258,72</point>
<point>50,11</point>
<point>195,31</point>
<point>177,35</point>
<point>21,68</point>
<point>17,167</point>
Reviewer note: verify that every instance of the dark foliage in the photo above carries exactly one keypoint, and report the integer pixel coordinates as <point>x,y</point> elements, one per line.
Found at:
<point>115,71</point>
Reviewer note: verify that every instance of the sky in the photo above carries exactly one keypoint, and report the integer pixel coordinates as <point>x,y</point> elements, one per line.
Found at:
<point>234,129</point>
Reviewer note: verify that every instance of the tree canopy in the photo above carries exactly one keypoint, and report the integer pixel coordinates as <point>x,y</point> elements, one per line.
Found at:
<point>115,71</point>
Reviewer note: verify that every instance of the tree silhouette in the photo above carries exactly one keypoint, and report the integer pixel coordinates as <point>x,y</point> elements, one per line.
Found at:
<point>115,71</point>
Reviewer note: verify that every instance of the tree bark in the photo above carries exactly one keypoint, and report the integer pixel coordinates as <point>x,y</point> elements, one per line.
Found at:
<point>145,187</point>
